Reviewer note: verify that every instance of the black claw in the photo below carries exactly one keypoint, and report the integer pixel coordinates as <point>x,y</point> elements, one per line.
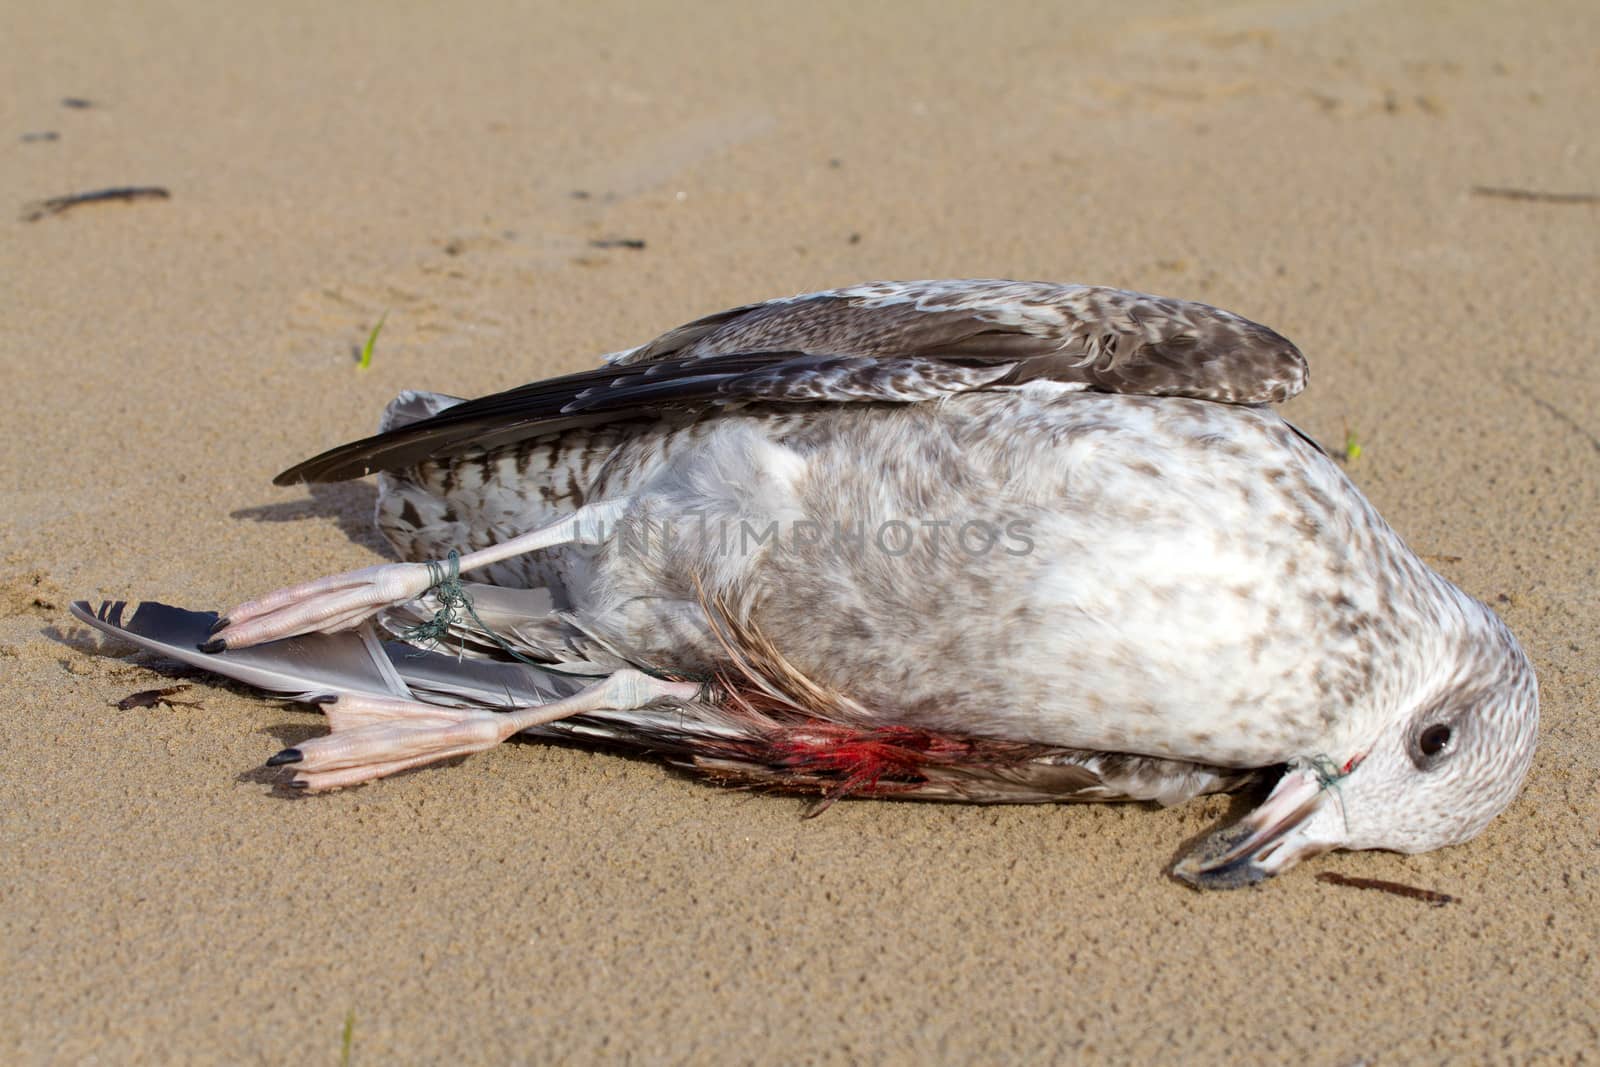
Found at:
<point>213,646</point>
<point>324,698</point>
<point>298,784</point>
<point>221,624</point>
<point>288,755</point>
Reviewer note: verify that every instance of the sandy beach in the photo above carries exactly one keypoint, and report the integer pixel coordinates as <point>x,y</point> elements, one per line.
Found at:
<point>520,187</point>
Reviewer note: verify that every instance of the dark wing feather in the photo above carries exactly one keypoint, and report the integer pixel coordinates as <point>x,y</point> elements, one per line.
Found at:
<point>895,342</point>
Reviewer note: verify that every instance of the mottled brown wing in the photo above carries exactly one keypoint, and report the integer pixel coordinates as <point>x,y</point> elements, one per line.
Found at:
<point>887,342</point>
<point>1103,338</point>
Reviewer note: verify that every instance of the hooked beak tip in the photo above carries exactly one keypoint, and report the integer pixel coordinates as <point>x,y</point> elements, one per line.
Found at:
<point>1258,846</point>
<point>1217,861</point>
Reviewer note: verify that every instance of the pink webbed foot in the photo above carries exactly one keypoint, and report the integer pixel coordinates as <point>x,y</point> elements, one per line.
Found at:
<point>345,601</point>
<point>371,737</point>
<point>326,605</point>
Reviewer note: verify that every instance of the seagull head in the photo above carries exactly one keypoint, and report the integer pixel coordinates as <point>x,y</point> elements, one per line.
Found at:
<point>1436,772</point>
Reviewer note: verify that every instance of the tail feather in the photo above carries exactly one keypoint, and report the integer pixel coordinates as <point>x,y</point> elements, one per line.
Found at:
<point>318,665</point>
<point>525,621</point>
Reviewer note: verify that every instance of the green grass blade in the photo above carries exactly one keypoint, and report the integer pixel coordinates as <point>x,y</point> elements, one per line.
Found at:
<point>372,339</point>
<point>349,1019</point>
<point>1352,446</point>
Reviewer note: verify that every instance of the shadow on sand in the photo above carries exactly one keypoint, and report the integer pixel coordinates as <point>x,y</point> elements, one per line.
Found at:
<point>349,504</point>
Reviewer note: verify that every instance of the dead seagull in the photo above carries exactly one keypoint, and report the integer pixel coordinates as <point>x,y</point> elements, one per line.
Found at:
<point>986,541</point>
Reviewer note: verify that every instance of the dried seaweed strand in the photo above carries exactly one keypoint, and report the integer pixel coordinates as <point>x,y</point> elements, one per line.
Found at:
<point>149,698</point>
<point>1506,192</point>
<point>57,204</point>
<point>1399,889</point>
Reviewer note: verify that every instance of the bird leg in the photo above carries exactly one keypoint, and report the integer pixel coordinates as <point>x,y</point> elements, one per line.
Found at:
<point>345,601</point>
<point>370,737</point>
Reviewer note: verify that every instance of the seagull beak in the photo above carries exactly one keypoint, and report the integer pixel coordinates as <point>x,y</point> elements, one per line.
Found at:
<point>1277,835</point>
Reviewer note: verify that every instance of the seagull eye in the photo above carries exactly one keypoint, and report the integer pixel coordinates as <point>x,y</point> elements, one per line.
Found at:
<point>1434,739</point>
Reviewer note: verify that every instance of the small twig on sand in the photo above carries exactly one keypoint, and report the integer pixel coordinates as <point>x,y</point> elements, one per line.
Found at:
<point>57,204</point>
<point>1506,192</point>
<point>1399,889</point>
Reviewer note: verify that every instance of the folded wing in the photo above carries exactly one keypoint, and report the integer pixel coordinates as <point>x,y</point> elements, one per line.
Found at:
<point>886,342</point>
